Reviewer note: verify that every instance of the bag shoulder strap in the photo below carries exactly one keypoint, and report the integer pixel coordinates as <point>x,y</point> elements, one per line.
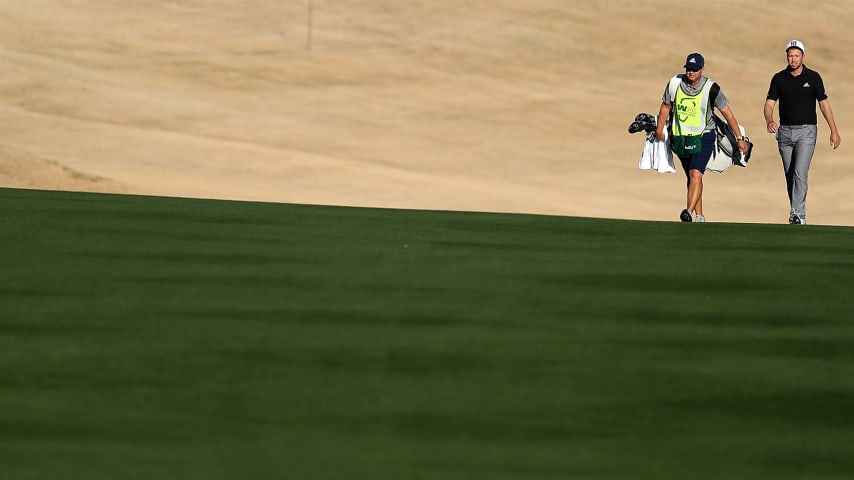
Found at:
<point>713,94</point>
<point>673,86</point>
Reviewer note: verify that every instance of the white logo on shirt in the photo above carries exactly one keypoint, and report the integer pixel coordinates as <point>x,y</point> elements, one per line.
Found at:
<point>807,85</point>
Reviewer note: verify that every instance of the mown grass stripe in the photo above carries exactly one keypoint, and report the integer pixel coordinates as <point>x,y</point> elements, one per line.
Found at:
<point>146,337</point>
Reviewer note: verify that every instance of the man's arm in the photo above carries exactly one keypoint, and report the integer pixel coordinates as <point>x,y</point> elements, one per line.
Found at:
<point>835,139</point>
<point>663,115</point>
<point>733,124</point>
<point>770,124</point>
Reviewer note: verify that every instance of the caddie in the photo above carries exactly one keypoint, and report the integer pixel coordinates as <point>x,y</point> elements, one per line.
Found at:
<point>686,109</point>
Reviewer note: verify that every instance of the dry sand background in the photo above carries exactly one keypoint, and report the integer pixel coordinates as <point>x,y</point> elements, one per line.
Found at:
<point>479,105</point>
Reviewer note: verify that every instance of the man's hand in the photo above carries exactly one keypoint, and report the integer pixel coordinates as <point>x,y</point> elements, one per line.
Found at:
<point>772,126</point>
<point>835,140</point>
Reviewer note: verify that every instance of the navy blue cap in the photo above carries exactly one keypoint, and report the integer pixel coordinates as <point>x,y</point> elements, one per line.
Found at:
<point>695,61</point>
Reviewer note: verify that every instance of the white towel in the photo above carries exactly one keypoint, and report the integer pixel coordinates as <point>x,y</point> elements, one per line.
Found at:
<point>657,155</point>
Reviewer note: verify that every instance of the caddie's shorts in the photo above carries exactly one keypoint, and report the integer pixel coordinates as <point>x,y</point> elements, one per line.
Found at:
<point>700,160</point>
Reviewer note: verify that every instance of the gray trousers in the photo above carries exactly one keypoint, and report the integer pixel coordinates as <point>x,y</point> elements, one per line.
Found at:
<point>797,144</point>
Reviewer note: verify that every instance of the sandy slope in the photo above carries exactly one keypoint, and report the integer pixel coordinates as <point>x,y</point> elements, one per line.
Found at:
<point>492,105</point>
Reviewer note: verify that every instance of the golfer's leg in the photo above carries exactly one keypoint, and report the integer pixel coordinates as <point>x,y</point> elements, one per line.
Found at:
<point>804,140</point>
<point>786,147</point>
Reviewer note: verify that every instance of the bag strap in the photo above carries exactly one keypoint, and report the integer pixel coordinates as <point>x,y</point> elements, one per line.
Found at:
<point>713,95</point>
<point>672,87</point>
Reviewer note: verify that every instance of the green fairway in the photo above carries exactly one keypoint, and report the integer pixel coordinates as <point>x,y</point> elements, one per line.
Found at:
<point>149,338</point>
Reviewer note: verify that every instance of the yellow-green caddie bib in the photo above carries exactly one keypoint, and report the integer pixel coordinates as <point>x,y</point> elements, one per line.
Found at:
<point>688,117</point>
<point>690,111</point>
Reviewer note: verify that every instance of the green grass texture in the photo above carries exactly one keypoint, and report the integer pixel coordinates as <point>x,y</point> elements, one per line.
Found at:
<point>166,338</point>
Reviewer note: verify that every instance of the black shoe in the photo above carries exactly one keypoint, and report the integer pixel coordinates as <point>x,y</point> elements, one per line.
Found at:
<point>685,216</point>
<point>794,219</point>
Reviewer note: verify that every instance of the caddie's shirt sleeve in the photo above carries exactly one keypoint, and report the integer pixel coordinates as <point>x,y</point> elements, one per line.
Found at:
<point>721,101</point>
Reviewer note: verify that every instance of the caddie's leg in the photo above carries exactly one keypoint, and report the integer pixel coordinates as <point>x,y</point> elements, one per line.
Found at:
<point>698,165</point>
<point>695,191</point>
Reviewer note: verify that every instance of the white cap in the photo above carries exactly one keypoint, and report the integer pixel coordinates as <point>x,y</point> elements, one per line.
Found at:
<point>796,44</point>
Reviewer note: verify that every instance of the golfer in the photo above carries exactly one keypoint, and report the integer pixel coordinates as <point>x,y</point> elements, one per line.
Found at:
<point>797,88</point>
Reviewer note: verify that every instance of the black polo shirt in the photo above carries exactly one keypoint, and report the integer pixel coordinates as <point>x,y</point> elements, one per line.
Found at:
<point>797,96</point>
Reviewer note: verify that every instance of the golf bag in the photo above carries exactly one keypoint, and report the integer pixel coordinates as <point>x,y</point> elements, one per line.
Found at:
<point>726,152</point>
